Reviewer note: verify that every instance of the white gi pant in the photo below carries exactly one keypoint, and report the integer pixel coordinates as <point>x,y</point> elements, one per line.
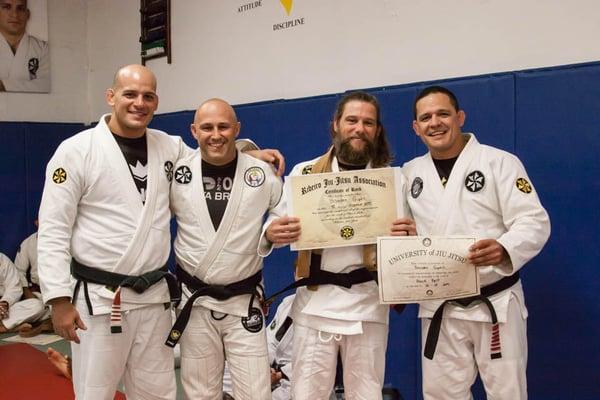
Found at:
<point>207,342</point>
<point>315,357</point>
<point>28,310</point>
<point>464,347</point>
<point>137,355</point>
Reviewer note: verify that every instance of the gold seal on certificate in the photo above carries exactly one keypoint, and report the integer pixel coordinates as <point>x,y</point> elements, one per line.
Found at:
<point>343,208</point>
<point>418,268</point>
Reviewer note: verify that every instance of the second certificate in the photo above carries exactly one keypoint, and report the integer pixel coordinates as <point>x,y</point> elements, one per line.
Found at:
<point>343,208</point>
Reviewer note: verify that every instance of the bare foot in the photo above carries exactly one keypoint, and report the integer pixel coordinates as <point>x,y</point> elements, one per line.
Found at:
<point>61,362</point>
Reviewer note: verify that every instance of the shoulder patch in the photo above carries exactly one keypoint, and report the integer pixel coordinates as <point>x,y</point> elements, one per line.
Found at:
<point>183,175</point>
<point>254,176</point>
<point>307,169</point>
<point>475,181</point>
<point>524,186</point>
<point>59,176</point>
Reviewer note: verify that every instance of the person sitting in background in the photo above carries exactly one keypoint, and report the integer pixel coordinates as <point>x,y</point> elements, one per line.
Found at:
<point>15,314</point>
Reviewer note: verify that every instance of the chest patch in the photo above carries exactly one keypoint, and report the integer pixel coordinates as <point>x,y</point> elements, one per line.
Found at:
<point>254,176</point>
<point>475,181</point>
<point>307,170</point>
<point>524,186</point>
<point>416,188</point>
<point>183,175</point>
<point>254,322</point>
<point>32,66</point>
<point>169,170</point>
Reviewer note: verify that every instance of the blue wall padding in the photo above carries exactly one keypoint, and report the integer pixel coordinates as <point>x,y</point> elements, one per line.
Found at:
<point>549,117</point>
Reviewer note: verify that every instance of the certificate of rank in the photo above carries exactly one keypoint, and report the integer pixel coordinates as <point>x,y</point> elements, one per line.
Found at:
<point>344,208</point>
<point>417,268</point>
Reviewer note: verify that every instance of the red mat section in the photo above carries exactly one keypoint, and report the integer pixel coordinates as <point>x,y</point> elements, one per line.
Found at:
<point>26,374</point>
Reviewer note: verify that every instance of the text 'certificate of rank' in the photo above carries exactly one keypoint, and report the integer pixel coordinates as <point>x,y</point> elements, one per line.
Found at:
<point>418,268</point>
<point>344,208</point>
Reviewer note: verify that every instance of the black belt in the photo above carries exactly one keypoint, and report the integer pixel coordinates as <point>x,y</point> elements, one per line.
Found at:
<point>436,321</point>
<point>219,292</point>
<point>139,283</point>
<point>321,277</point>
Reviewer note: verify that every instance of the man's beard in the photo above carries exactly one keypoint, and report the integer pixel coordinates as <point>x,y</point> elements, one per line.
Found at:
<point>348,154</point>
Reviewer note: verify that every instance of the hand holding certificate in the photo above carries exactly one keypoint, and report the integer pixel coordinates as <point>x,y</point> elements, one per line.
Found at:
<point>343,208</point>
<point>417,268</point>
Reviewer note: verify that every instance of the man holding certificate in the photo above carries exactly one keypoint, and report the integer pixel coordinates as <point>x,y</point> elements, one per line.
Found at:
<point>461,187</point>
<point>340,310</point>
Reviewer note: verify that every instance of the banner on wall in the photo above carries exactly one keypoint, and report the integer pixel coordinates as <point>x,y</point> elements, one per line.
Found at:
<point>24,49</point>
<point>287,6</point>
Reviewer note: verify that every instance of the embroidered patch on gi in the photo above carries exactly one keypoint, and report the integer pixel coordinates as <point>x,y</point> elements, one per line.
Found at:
<point>169,170</point>
<point>524,186</point>
<point>254,322</point>
<point>183,175</point>
<point>347,232</point>
<point>426,242</point>
<point>475,181</point>
<point>254,176</point>
<point>59,176</point>
<point>33,65</point>
<point>307,170</point>
<point>416,188</point>
<point>273,325</point>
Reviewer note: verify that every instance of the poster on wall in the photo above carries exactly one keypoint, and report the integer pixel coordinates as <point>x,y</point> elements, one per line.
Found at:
<point>24,50</point>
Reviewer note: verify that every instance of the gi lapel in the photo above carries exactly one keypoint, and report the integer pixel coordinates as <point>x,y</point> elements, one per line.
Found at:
<point>233,205</point>
<point>450,194</point>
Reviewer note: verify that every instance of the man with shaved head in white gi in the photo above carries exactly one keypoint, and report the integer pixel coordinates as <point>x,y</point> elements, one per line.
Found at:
<point>219,197</point>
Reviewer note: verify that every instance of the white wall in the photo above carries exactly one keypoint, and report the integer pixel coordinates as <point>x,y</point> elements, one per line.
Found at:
<point>343,44</point>
<point>67,102</point>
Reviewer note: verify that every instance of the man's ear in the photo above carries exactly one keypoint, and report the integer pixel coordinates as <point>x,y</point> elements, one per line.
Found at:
<point>415,127</point>
<point>110,96</point>
<point>462,116</point>
<point>193,130</point>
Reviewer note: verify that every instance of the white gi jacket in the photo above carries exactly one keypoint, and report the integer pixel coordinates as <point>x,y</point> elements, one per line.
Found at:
<point>91,210</point>
<point>332,308</point>
<point>29,69</point>
<point>10,285</point>
<point>503,206</point>
<point>229,254</point>
<point>26,258</point>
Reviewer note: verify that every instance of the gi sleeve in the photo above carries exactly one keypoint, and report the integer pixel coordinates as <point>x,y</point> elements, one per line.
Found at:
<point>526,220</point>
<point>63,188</point>
<point>9,279</point>
<point>276,203</point>
<point>22,263</point>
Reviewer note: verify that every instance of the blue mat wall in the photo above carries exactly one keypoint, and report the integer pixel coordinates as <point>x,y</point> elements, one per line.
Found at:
<point>548,117</point>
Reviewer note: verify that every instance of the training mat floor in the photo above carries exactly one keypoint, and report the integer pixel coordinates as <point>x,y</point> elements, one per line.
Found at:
<point>28,375</point>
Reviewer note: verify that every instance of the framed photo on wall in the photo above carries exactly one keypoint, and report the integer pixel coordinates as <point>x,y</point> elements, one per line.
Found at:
<point>24,49</point>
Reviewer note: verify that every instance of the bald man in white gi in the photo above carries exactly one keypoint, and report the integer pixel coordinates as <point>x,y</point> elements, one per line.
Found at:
<point>219,197</point>
<point>104,221</point>
<point>462,187</point>
<point>24,59</point>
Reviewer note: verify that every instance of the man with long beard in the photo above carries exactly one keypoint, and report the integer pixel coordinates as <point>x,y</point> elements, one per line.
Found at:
<point>334,318</point>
